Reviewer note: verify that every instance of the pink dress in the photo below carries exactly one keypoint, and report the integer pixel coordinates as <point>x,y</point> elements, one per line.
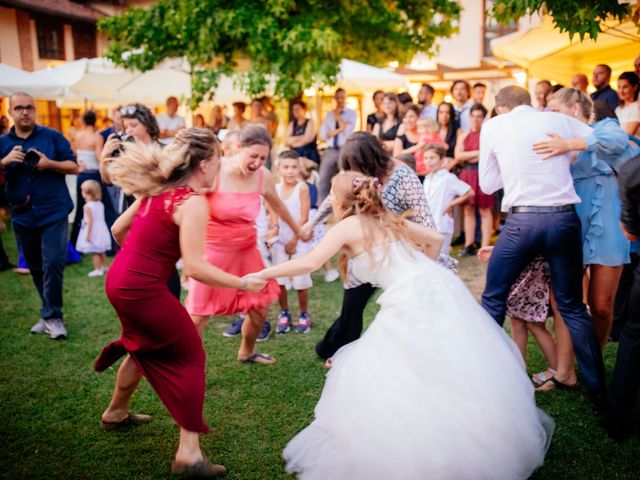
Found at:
<point>231,245</point>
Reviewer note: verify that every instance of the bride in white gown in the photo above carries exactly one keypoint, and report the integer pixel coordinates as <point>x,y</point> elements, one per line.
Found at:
<point>434,389</point>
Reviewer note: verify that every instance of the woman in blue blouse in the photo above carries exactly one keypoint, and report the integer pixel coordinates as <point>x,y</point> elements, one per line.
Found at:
<point>605,249</point>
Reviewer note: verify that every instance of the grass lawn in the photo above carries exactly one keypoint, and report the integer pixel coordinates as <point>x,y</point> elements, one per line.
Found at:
<point>51,400</point>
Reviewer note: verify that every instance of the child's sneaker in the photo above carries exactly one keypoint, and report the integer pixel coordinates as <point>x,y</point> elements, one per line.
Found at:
<point>284,322</point>
<point>304,323</point>
<point>235,329</point>
<point>98,272</point>
<point>331,275</point>
<point>265,332</point>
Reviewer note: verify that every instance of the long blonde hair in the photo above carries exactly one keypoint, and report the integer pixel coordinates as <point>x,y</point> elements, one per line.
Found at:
<point>360,195</point>
<point>146,170</point>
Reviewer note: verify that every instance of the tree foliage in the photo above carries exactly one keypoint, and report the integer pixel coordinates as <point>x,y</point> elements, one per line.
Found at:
<point>294,43</point>
<point>580,17</point>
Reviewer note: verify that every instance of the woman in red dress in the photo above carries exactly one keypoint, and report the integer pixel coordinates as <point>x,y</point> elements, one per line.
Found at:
<point>167,221</point>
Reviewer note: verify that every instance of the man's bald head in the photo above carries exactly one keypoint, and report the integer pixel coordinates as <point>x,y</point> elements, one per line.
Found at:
<point>19,97</point>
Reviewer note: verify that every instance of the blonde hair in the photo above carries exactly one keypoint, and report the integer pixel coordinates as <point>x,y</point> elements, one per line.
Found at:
<point>92,188</point>
<point>147,170</point>
<point>429,124</point>
<point>571,96</point>
<point>360,195</point>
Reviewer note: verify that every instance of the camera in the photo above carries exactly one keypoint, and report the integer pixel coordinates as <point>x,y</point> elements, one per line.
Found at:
<point>31,157</point>
<point>122,137</point>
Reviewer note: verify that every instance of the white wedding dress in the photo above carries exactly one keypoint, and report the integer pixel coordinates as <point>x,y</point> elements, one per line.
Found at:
<point>434,389</point>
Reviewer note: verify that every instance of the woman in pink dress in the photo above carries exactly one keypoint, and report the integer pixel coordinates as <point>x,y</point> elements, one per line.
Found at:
<point>231,242</point>
<point>167,221</point>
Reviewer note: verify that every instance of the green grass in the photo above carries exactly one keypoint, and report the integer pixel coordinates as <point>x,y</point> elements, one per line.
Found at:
<point>51,400</point>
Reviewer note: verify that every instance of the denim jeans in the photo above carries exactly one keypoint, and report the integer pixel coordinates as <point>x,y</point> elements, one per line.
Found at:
<point>557,237</point>
<point>45,251</point>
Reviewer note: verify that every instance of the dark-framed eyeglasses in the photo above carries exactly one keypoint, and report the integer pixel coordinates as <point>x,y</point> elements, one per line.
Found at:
<point>24,108</point>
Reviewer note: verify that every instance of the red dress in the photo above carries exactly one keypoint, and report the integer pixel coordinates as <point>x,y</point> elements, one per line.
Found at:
<point>232,245</point>
<point>469,173</point>
<point>156,329</point>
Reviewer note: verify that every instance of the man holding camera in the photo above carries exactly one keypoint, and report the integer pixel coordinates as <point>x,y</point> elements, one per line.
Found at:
<point>35,160</point>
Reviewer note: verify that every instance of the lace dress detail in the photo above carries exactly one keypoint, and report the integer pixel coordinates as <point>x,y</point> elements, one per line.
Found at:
<point>177,197</point>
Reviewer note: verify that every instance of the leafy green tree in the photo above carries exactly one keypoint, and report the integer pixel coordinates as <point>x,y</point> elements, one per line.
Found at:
<point>293,43</point>
<point>581,17</point>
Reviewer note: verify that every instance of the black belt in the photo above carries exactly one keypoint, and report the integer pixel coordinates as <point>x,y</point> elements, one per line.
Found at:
<point>561,208</point>
<point>470,166</point>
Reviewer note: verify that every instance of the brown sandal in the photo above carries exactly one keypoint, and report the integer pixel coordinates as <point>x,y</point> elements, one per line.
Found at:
<point>130,420</point>
<point>202,469</point>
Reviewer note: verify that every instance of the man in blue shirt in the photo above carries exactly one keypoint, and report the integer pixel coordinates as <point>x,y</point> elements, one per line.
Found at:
<point>40,204</point>
<point>604,92</point>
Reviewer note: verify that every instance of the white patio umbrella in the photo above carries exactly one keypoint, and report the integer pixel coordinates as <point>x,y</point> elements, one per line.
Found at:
<point>360,78</point>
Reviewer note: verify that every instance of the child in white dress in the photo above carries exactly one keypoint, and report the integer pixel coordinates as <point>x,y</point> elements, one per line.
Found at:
<point>444,191</point>
<point>94,236</point>
<point>295,194</point>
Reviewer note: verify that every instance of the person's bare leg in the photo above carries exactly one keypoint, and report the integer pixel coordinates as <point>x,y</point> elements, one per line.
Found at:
<point>250,330</point>
<point>585,286</point>
<point>486,225</point>
<point>97,262</point>
<point>189,448</point>
<point>303,300</point>
<point>283,298</point>
<point>602,291</point>
<point>201,322</point>
<point>546,342</point>
<point>519,335</point>
<point>127,380</point>
<point>469,224</point>
<point>566,371</point>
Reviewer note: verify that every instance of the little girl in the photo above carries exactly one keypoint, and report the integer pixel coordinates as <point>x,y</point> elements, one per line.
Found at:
<point>94,236</point>
<point>294,193</point>
<point>428,130</point>
<point>528,308</point>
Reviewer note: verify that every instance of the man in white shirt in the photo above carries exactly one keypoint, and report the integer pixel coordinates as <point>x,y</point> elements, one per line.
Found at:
<point>540,199</point>
<point>338,124</point>
<point>170,122</point>
<point>425,100</point>
<point>461,91</point>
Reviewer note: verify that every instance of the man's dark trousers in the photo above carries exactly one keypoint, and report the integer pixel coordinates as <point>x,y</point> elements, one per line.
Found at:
<point>557,237</point>
<point>45,251</point>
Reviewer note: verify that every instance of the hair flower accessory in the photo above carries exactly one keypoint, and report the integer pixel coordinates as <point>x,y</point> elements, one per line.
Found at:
<point>376,182</point>
<point>356,182</point>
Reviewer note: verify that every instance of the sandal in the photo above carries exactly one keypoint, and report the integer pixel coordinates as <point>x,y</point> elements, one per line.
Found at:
<point>261,358</point>
<point>131,419</point>
<point>539,379</point>
<point>202,469</point>
<point>554,384</point>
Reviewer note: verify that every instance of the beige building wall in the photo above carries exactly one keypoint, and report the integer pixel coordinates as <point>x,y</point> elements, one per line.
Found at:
<point>9,42</point>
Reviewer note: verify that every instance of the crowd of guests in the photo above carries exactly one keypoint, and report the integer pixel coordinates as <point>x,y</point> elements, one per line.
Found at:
<point>451,167</point>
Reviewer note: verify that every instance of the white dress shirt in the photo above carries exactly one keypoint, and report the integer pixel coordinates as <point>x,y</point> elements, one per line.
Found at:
<point>507,159</point>
<point>429,111</point>
<point>441,188</point>
<point>329,124</point>
<point>464,115</point>
<point>165,122</point>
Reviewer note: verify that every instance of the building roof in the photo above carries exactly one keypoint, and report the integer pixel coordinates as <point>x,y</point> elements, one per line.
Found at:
<point>58,8</point>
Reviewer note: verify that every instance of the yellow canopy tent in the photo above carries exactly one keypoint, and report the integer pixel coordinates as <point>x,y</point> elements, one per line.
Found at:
<point>544,52</point>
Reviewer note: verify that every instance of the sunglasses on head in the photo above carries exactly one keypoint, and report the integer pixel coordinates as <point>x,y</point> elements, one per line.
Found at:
<point>129,110</point>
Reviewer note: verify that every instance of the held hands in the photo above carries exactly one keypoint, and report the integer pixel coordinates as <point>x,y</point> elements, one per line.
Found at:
<point>306,232</point>
<point>290,248</point>
<point>550,148</point>
<point>253,283</point>
<point>484,254</point>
